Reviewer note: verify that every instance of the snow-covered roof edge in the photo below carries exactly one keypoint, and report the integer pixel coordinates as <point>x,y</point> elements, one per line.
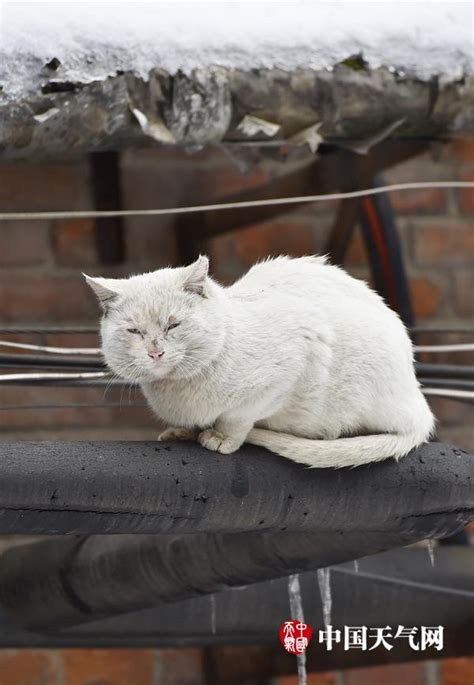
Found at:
<point>95,40</point>
<point>78,82</point>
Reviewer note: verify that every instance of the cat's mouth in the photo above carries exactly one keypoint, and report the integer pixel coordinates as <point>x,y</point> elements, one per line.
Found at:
<point>158,369</point>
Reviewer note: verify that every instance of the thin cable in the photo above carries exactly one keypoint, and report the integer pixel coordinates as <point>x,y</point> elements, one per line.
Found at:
<point>75,378</point>
<point>461,347</point>
<point>448,383</point>
<point>53,376</point>
<point>93,214</point>
<point>454,394</point>
<point>446,329</point>
<point>41,330</point>
<point>53,350</point>
<point>450,371</point>
<point>429,587</point>
<point>43,362</point>
<point>72,405</point>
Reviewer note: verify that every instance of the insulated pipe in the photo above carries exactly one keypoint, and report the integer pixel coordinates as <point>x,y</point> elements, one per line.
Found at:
<point>153,487</point>
<point>254,517</point>
<point>394,588</point>
<point>50,360</point>
<point>65,582</point>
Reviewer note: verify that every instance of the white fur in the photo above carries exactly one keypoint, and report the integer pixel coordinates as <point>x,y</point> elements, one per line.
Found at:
<point>296,356</point>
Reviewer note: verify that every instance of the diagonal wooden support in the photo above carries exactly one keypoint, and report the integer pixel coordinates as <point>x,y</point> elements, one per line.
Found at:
<point>334,170</point>
<point>357,172</point>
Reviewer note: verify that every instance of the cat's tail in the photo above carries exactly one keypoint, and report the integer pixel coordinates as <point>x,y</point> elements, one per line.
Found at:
<point>342,452</point>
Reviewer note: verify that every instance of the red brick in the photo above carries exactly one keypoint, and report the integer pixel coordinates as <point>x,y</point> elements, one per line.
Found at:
<point>176,175</point>
<point>461,150</point>
<point>313,679</point>
<point>426,296</point>
<point>464,292</point>
<point>63,417</point>
<point>138,417</point>
<point>457,671</point>
<point>73,339</point>
<point>251,244</point>
<point>356,253</point>
<point>27,667</point>
<point>150,243</point>
<point>154,179</point>
<point>411,674</point>
<point>235,665</point>
<point>420,201</point>
<point>451,242</point>
<point>466,195</point>
<point>41,297</point>
<point>108,666</point>
<point>462,436</point>
<point>276,238</point>
<point>449,413</point>
<point>74,242</point>
<point>17,337</point>
<point>180,667</point>
<point>24,242</point>
<point>228,180</point>
<point>44,186</point>
<point>147,184</point>
<point>432,338</point>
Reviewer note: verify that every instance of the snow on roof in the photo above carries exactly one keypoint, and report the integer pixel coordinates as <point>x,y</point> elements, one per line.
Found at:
<point>94,40</point>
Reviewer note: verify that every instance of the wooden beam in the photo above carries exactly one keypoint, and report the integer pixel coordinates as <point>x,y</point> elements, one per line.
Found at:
<point>107,193</point>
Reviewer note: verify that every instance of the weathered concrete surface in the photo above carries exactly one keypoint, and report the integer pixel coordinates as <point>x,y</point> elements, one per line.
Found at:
<point>352,104</point>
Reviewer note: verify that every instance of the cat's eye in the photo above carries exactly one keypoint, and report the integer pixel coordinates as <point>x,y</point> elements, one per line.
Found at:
<point>135,331</point>
<point>173,325</point>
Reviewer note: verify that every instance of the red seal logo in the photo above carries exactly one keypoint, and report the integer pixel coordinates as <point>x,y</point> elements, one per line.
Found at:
<point>295,636</point>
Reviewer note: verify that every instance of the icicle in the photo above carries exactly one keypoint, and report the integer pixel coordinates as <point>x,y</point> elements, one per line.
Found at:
<point>213,614</point>
<point>324,581</point>
<point>296,611</point>
<point>301,666</point>
<point>356,566</point>
<point>431,547</point>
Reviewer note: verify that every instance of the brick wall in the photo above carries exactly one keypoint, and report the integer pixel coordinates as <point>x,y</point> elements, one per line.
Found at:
<point>447,672</point>
<point>41,262</point>
<point>190,667</point>
<point>41,283</point>
<point>101,667</point>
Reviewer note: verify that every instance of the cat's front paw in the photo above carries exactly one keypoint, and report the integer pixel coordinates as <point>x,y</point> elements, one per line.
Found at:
<point>174,434</point>
<point>217,442</point>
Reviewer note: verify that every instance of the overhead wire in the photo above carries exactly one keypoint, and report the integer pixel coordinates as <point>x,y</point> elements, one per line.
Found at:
<point>166,211</point>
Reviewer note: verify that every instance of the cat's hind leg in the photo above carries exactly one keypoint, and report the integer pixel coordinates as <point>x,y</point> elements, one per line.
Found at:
<point>176,433</point>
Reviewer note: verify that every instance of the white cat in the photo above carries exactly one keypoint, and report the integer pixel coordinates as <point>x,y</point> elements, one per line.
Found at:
<point>297,356</point>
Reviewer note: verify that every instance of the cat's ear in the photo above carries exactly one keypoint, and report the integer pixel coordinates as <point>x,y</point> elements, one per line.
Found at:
<point>106,289</point>
<point>195,276</point>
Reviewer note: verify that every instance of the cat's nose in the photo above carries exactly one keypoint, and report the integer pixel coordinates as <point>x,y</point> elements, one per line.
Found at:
<point>156,354</point>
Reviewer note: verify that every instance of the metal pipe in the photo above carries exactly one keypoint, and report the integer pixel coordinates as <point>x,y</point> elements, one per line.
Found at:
<point>50,361</point>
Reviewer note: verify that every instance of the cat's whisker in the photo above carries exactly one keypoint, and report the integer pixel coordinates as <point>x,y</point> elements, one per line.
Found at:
<point>118,375</point>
